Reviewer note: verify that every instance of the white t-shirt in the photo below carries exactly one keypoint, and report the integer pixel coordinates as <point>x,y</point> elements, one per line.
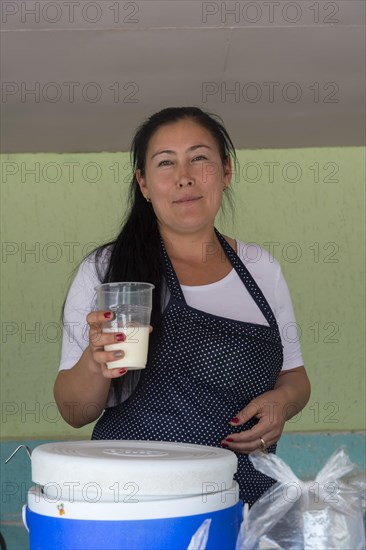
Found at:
<point>226,298</point>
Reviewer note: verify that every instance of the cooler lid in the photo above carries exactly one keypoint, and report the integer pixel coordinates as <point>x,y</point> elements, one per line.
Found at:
<point>153,468</point>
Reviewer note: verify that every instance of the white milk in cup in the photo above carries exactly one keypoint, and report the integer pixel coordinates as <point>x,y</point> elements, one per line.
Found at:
<point>131,304</point>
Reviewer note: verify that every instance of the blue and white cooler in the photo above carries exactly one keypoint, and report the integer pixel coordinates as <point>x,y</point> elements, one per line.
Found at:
<point>131,495</point>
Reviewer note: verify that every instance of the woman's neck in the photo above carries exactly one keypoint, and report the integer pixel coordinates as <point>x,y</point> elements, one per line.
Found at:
<point>198,259</point>
<point>191,247</point>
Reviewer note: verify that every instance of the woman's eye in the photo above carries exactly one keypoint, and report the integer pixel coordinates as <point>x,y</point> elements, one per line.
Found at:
<point>165,163</point>
<point>200,157</point>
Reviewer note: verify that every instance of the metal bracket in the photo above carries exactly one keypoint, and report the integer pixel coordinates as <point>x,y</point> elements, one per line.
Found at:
<point>29,452</point>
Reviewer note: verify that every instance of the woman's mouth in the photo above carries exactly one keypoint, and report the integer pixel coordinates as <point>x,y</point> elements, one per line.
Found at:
<point>187,199</point>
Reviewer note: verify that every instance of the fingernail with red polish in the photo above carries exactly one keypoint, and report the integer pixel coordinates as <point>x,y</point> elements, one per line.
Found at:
<point>123,371</point>
<point>235,420</point>
<point>229,439</point>
<point>107,314</point>
<point>120,337</point>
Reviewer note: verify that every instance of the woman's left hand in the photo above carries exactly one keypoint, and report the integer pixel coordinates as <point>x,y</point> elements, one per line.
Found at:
<point>269,410</point>
<point>272,409</point>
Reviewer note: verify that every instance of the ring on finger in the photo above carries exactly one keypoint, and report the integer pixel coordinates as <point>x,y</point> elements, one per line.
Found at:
<point>263,445</point>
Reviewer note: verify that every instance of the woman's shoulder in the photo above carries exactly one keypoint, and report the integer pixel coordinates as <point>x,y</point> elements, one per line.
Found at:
<point>94,265</point>
<point>257,259</point>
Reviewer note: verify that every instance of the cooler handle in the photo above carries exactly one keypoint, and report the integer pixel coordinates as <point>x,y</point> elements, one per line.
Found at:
<point>24,517</point>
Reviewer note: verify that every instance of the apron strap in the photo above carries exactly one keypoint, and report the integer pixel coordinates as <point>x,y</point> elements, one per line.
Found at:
<point>171,278</point>
<point>247,279</point>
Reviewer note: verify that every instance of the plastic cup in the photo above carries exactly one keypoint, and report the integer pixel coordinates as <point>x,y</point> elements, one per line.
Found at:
<point>131,304</point>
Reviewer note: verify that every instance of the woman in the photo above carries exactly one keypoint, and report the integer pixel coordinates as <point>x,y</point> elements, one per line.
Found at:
<point>218,372</point>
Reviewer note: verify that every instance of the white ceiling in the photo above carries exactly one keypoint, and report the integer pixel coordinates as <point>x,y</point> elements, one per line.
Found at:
<point>296,70</point>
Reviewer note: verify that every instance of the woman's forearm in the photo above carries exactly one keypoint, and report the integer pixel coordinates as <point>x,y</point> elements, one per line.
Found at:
<point>294,388</point>
<point>81,392</point>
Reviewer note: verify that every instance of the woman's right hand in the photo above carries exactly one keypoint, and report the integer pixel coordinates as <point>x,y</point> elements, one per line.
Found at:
<point>98,339</point>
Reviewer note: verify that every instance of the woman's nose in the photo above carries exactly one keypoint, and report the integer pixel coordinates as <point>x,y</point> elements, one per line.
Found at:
<point>184,178</point>
<point>185,181</point>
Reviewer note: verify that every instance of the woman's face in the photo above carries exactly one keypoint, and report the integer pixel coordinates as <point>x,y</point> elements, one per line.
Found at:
<point>184,177</point>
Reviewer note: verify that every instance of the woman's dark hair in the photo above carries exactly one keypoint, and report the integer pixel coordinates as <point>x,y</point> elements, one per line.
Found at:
<point>135,254</point>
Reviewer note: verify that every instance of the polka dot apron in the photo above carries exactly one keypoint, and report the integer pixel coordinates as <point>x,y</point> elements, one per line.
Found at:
<point>203,370</point>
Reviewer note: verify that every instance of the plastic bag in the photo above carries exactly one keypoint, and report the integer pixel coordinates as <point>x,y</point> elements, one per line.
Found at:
<point>200,538</point>
<point>323,514</point>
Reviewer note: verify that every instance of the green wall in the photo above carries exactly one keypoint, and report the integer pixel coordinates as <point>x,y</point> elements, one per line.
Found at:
<point>304,205</point>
